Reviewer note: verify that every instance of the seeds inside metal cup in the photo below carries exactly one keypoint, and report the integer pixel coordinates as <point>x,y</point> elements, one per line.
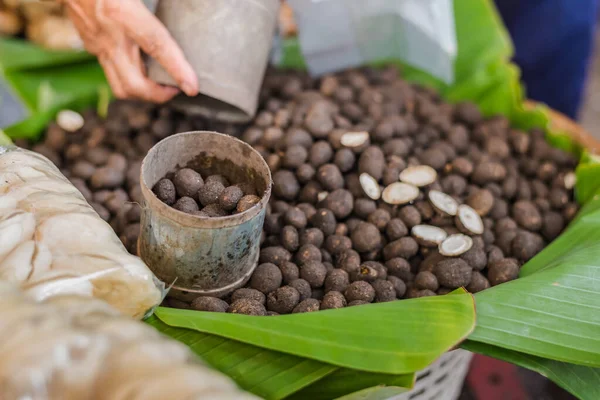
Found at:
<point>203,256</point>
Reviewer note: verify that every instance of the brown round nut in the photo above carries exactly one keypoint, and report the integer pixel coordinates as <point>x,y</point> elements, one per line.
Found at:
<point>426,280</point>
<point>405,247</point>
<point>274,255</point>
<point>318,119</point>
<point>305,173</point>
<point>290,239</point>
<point>83,169</point>
<point>454,185</point>
<point>395,229</point>
<point>247,202</point>
<point>330,177</point>
<point>453,273</point>
<point>320,153</point>
<point>314,272</point>
<point>186,205</point>
<point>367,271</point>
<point>341,229</point>
<point>332,300</point>
<point>106,178</point>
<point>360,290</point>
<point>344,159</point>
<point>97,155</point>
<point>324,220</point>
<point>478,283</point>
<point>285,185</point>
<point>462,166</point>
<point>248,307</point>
<point>349,261</point>
<point>165,191</point>
<point>552,225</point>
<point>312,236</point>
<point>340,202</point>
<point>527,215</point>
<point>247,293</point>
<point>503,271</point>
<point>337,244</point>
<point>400,268</point>
<point>283,300</point>
<point>434,157</point>
<point>294,157</point>
<point>307,305</point>
<point>399,286</point>
<point>337,280</point>
<point>217,178</point>
<point>497,148</point>
<point>488,171</point>
<point>211,304</point>
<point>525,245</point>
<point>499,210</point>
<point>266,278</point>
<point>187,182</point>
<point>481,201</point>
<point>289,271</point>
<point>210,192</point>
<point>380,218</point>
<point>229,198</point>
<point>410,216</point>
<point>317,294</point>
<point>475,257</point>
<point>366,237</point>
<point>384,291</point>
<point>295,217</point>
<point>372,162</point>
<point>308,252</point>
<point>303,287</point>
<point>468,113</point>
<point>363,207</point>
<point>558,198</point>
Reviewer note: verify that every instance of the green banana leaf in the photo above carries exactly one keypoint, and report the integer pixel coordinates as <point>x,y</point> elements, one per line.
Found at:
<point>274,375</point>
<point>429,328</point>
<point>583,382</point>
<point>4,139</point>
<point>18,54</point>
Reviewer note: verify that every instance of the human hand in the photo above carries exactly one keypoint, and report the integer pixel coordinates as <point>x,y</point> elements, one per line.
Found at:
<point>115,30</point>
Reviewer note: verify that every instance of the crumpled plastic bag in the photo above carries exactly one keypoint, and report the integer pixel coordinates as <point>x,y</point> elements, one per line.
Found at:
<point>52,242</point>
<point>339,34</point>
<point>73,348</point>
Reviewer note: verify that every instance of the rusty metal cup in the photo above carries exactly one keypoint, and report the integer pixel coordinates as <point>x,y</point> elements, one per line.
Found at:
<point>227,42</point>
<point>203,256</point>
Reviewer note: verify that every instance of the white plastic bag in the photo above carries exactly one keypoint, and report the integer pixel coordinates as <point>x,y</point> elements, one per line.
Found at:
<point>53,243</point>
<point>74,348</point>
<point>338,34</point>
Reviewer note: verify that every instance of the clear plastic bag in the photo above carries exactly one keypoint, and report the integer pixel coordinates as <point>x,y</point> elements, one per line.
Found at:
<point>53,243</point>
<point>73,348</point>
<point>419,32</point>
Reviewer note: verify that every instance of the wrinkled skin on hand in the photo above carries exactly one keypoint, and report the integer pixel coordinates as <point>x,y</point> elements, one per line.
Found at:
<point>115,31</point>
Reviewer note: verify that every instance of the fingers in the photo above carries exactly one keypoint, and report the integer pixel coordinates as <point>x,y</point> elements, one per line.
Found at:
<point>130,75</point>
<point>113,78</point>
<point>151,35</point>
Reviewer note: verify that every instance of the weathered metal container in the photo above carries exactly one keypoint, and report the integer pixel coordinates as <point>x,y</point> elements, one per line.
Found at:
<point>227,42</point>
<point>202,256</point>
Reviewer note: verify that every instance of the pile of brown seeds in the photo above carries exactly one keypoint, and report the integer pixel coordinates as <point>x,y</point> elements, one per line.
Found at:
<point>382,191</point>
<point>186,191</point>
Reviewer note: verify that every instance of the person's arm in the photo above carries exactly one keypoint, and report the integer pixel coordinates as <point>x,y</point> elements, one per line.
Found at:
<point>115,30</point>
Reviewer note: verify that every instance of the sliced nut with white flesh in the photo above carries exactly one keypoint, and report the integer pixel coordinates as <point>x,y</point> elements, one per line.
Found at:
<point>468,221</point>
<point>354,139</point>
<point>69,120</point>
<point>443,203</point>
<point>455,245</point>
<point>419,175</point>
<point>400,193</point>
<point>428,235</point>
<point>370,186</point>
